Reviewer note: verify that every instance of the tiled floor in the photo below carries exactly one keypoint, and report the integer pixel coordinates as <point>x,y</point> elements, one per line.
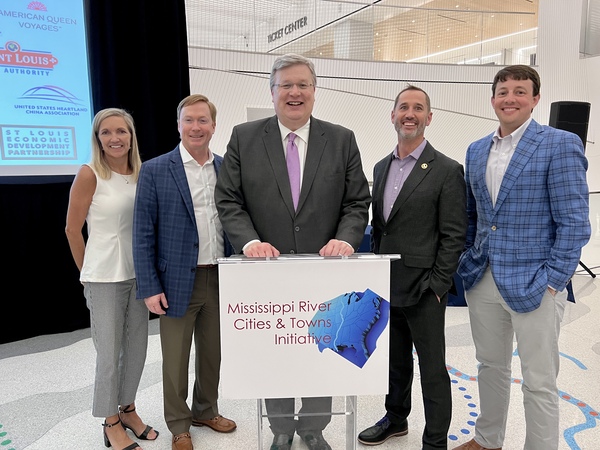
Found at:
<point>46,387</point>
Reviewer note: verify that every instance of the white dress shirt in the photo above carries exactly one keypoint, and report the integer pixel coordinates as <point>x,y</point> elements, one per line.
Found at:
<point>202,180</point>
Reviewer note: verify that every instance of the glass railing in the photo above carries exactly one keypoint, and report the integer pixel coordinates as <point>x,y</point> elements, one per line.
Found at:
<point>433,32</point>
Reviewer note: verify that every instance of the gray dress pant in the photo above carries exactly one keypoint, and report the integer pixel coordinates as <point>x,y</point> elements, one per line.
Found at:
<point>494,325</point>
<point>119,326</point>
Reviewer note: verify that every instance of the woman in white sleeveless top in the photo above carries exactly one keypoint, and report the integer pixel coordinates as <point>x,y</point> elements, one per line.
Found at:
<point>102,195</point>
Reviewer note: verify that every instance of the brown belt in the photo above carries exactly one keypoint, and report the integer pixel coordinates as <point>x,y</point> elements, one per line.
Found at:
<point>206,266</point>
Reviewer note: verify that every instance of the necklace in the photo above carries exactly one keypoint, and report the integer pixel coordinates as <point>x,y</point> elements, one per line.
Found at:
<point>125,177</point>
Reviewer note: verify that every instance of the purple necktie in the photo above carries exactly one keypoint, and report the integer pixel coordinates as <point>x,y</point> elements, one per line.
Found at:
<point>293,165</point>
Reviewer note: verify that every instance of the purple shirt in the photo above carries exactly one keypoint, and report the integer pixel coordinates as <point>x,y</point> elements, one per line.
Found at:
<point>399,171</point>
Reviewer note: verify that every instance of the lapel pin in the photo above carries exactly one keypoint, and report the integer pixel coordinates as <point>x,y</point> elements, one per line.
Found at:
<point>424,166</point>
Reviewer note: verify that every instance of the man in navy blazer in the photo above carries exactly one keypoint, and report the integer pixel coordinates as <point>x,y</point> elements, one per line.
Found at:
<point>419,212</point>
<point>177,239</point>
<point>257,210</point>
<point>528,210</point>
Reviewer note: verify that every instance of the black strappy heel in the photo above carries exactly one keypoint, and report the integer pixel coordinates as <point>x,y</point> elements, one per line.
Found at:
<point>144,434</point>
<point>107,441</point>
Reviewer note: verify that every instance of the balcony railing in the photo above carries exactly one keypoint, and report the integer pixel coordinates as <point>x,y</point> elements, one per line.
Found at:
<point>440,31</point>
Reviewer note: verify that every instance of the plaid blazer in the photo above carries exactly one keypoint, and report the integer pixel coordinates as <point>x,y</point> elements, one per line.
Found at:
<point>165,235</point>
<point>532,237</point>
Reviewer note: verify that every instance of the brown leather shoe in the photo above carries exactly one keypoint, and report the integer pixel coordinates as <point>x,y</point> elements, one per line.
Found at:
<point>472,445</point>
<point>219,423</point>
<point>182,441</point>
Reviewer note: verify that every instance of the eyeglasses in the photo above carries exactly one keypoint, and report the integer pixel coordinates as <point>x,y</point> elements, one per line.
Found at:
<point>289,86</point>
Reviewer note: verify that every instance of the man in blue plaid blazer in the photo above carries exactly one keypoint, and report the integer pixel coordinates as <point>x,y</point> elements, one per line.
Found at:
<point>527,203</point>
<point>177,240</point>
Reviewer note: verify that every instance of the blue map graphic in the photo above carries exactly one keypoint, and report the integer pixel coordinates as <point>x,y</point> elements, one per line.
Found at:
<point>357,320</point>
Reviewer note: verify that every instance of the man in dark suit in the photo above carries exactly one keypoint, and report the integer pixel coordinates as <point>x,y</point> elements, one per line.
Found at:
<point>419,212</point>
<point>262,219</point>
<point>177,239</point>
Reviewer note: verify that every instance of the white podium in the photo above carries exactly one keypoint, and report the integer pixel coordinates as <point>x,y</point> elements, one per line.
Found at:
<point>305,326</point>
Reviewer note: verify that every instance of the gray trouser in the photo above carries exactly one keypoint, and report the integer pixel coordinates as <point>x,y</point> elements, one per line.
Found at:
<point>494,325</point>
<point>119,325</point>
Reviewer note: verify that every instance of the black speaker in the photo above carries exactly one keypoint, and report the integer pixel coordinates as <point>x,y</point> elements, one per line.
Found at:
<point>571,116</point>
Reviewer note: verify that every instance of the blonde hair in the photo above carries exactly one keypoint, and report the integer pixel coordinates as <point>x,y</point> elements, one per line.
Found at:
<point>98,162</point>
<point>196,98</point>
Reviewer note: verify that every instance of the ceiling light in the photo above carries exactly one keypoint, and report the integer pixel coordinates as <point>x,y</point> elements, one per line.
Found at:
<point>526,48</point>
<point>470,45</point>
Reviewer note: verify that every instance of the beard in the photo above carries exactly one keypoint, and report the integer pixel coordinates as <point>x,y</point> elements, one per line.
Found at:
<point>419,131</point>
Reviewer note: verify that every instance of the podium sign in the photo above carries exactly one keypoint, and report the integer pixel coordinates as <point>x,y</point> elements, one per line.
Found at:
<point>304,326</point>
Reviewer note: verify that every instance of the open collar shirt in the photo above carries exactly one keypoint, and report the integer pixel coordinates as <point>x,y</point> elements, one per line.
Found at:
<point>202,180</point>
<point>399,171</point>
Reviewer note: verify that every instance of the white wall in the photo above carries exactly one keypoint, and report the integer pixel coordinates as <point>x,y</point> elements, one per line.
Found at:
<point>359,95</point>
<point>592,69</point>
<point>566,77</point>
<point>236,82</point>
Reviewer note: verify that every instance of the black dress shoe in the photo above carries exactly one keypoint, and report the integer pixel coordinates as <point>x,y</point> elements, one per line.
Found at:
<point>314,440</point>
<point>282,442</point>
<point>382,431</point>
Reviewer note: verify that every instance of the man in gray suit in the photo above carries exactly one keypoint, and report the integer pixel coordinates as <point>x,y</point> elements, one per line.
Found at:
<point>262,219</point>
<point>419,212</point>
